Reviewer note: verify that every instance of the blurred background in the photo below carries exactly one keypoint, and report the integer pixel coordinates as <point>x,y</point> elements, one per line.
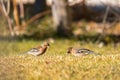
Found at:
<point>93,20</point>
<point>90,24</point>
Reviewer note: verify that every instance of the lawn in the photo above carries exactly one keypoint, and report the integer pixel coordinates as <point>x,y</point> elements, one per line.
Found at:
<point>55,64</point>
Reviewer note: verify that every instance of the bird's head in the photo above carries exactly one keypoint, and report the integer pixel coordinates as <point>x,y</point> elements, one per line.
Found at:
<point>46,44</point>
<point>69,50</point>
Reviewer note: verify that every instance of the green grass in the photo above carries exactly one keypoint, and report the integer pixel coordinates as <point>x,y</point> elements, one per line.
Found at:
<point>55,64</point>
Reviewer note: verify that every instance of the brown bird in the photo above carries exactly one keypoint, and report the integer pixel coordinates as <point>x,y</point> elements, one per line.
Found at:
<point>80,52</point>
<point>39,50</point>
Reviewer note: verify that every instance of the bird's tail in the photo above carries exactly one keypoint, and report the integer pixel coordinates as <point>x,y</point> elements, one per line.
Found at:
<point>97,53</point>
<point>92,52</point>
<point>23,53</point>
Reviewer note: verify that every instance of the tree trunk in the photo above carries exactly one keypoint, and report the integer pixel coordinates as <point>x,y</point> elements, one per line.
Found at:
<point>16,18</point>
<point>61,17</point>
<point>22,13</point>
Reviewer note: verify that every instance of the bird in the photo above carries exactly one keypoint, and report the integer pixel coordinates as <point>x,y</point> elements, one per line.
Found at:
<point>80,51</point>
<point>39,50</point>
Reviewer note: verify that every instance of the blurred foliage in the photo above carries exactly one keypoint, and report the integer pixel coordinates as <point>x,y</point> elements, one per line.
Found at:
<point>3,26</point>
<point>41,29</point>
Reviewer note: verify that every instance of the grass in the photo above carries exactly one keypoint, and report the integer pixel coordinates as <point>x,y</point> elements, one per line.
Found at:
<point>55,64</point>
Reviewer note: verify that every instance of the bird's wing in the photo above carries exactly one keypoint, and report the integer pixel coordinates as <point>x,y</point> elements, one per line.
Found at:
<point>34,51</point>
<point>85,51</point>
